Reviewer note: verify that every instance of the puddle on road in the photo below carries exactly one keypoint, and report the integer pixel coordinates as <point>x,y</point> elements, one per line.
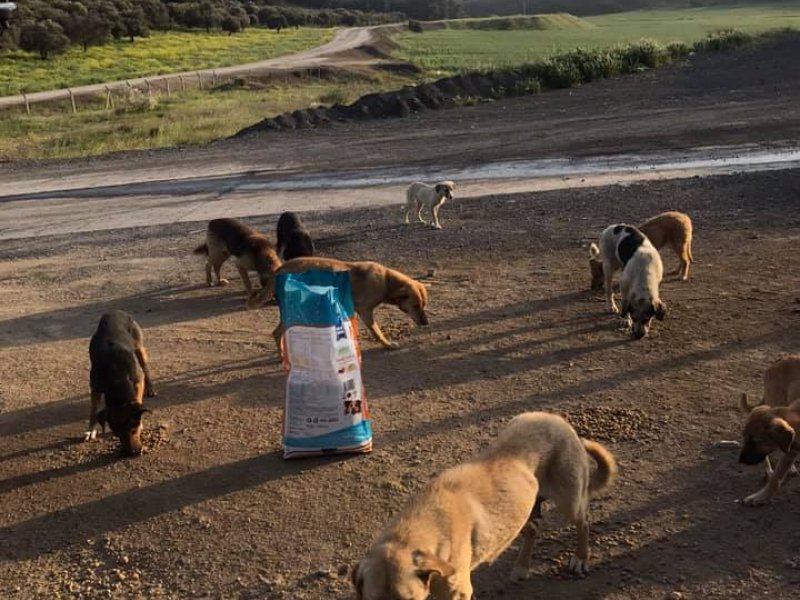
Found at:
<point>700,161</point>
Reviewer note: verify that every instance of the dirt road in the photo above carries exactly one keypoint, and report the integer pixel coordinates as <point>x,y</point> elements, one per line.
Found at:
<point>331,54</point>
<point>212,511</point>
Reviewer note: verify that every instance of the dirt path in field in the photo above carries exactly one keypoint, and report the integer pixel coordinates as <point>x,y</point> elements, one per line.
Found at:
<point>212,511</point>
<point>339,52</point>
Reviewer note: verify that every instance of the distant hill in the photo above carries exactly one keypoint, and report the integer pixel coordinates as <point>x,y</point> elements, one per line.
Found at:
<point>480,8</point>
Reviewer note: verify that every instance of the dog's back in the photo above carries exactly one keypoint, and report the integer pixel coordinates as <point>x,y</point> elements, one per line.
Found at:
<point>293,239</point>
<point>111,352</point>
<point>671,227</point>
<point>782,381</point>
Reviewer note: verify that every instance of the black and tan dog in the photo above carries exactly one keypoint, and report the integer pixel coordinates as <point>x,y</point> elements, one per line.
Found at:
<point>766,430</point>
<point>253,252</point>
<point>294,241</point>
<point>468,515</point>
<point>119,374</point>
<point>373,284</point>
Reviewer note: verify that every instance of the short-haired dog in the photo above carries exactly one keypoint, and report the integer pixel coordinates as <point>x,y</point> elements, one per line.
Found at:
<point>253,252</point>
<point>768,429</point>
<point>421,196</point>
<point>373,284</point>
<point>781,388</point>
<point>672,228</point>
<point>120,374</point>
<point>625,247</point>
<point>470,514</point>
<point>293,239</point>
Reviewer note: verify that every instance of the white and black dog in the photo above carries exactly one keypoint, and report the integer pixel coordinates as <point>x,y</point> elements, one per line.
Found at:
<point>421,195</point>
<point>625,247</point>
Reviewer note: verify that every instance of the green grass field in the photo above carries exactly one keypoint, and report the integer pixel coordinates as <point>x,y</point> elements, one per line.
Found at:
<point>448,51</point>
<point>162,52</point>
<point>192,117</point>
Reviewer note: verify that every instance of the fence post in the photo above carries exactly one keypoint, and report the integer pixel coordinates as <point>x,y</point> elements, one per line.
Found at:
<point>199,80</point>
<point>72,100</point>
<point>166,80</point>
<point>27,104</point>
<point>180,80</point>
<point>213,78</point>
<point>149,90</point>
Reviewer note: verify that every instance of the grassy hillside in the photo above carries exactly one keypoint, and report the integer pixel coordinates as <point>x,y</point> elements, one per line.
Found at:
<point>162,52</point>
<point>554,21</point>
<point>449,51</point>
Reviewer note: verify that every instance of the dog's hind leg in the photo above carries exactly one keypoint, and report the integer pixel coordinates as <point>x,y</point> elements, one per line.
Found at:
<point>608,283</point>
<point>142,357</point>
<point>420,208</point>
<point>522,565</point>
<point>277,335</point>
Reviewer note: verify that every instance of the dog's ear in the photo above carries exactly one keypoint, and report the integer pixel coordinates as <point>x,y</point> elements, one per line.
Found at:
<point>594,251</point>
<point>660,310</point>
<point>426,565</point>
<point>782,432</point>
<point>357,582</point>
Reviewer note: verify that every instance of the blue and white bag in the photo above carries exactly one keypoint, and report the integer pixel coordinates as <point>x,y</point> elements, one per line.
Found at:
<point>326,407</point>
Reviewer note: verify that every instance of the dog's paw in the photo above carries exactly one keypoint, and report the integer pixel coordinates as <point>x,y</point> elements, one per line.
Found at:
<point>578,566</point>
<point>90,436</point>
<point>757,499</point>
<point>437,226</point>
<point>392,346</point>
<point>223,282</point>
<point>519,574</point>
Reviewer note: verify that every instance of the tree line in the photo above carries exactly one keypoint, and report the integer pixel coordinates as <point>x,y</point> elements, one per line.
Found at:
<point>49,27</point>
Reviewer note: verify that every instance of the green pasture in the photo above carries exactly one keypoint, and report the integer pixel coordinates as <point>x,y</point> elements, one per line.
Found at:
<point>161,53</point>
<point>447,51</point>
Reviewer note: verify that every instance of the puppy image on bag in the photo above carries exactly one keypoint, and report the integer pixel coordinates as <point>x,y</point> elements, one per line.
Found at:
<point>120,375</point>
<point>471,513</point>
<point>766,430</point>
<point>421,196</point>
<point>294,240</point>
<point>673,229</point>
<point>625,247</point>
<point>781,388</point>
<point>253,252</point>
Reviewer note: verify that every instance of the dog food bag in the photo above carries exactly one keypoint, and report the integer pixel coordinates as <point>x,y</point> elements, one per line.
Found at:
<point>326,408</point>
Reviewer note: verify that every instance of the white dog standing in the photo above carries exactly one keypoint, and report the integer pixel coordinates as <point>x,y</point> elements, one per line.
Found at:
<point>625,247</point>
<point>420,196</point>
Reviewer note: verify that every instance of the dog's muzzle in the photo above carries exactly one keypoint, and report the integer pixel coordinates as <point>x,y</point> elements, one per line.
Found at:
<point>423,319</point>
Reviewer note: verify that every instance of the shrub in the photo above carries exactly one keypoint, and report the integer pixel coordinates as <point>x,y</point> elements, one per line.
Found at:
<point>46,37</point>
<point>724,39</point>
<point>335,96</point>
<point>415,26</point>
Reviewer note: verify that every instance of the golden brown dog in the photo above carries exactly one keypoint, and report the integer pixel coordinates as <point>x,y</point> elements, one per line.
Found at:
<point>673,229</point>
<point>373,284</point>
<point>253,252</point>
<point>766,430</point>
<point>781,388</point>
<point>471,513</point>
<point>120,374</point>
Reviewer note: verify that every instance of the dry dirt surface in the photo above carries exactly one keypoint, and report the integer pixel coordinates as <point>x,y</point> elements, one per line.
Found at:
<point>213,511</point>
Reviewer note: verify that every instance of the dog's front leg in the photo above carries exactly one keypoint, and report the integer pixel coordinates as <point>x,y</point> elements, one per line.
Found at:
<point>91,433</point>
<point>774,483</point>
<point>277,335</point>
<point>522,565</point>
<point>245,279</point>
<point>608,282</point>
<point>435,214</point>
<point>375,329</point>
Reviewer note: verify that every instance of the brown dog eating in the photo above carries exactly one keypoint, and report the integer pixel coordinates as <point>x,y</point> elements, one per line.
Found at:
<point>373,284</point>
<point>120,374</point>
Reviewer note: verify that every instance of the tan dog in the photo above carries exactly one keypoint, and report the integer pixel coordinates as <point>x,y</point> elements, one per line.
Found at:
<point>421,196</point>
<point>673,229</point>
<point>766,430</point>
<point>471,513</point>
<point>253,252</point>
<point>373,284</point>
<point>781,388</point>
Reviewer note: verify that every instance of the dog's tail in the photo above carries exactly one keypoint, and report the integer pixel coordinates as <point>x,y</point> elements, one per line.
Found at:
<point>606,467</point>
<point>201,249</point>
<point>594,251</point>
